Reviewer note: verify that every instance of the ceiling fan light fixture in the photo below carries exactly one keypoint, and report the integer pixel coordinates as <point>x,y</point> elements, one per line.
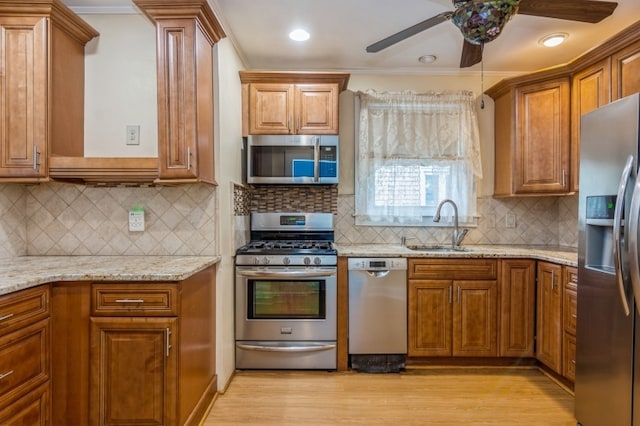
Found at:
<point>553,40</point>
<point>481,22</point>
<point>427,59</point>
<point>299,35</point>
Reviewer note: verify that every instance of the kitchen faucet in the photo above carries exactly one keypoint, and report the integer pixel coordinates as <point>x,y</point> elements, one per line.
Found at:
<point>458,235</point>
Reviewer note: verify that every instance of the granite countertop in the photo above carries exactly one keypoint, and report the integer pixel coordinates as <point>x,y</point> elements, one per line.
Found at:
<point>560,255</point>
<point>18,273</point>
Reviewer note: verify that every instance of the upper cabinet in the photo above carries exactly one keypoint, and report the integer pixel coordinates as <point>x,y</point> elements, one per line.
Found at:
<point>537,116</point>
<point>532,137</point>
<point>281,103</point>
<point>186,33</point>
<point>41,86</point>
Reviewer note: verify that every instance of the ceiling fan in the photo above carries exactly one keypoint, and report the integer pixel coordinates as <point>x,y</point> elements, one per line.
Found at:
<point>482,21</point>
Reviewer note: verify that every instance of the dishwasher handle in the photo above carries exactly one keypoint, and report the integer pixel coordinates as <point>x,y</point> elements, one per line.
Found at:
<point>378,274</point>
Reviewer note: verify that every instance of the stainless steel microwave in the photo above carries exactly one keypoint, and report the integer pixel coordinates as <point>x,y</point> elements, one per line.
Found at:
<point>292,159</point>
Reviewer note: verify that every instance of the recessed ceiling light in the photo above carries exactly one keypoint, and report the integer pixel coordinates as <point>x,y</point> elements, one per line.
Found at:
<point>299,35</point>
<point>554,39</point>
<point>427,59</point>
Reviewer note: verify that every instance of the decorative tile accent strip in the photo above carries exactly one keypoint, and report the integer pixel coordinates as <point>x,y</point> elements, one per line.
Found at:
<point>272,198</point>
<point>241,200</point>
<point>66,219</point>
<point>13,228</point>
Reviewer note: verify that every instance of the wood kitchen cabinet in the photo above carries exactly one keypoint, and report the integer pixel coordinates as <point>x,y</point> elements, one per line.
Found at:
<point>41,86</point>
<point>134,352</point>
<point>625,71</point>
<point>452,307</point>
<point>590,90</point>
<point>186,33</point>
<point>549,315</point>
<point>569,318</point>
<point>532,137</point>
<point>25,344</point>
<point>276,103</point>
<point>517,307</point>
<point>276,108</point>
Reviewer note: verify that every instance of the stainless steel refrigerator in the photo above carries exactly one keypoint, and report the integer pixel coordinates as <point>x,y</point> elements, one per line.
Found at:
<point>607,391</point>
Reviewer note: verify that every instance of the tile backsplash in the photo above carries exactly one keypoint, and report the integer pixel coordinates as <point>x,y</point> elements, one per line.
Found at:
<point>13,227</point>
<point>67,219</point>
<point>539,221</point>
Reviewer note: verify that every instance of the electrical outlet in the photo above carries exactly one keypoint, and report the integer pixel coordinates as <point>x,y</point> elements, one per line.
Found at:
<point>133,135</point>
<point>510,220</point>
<point>136,219</point>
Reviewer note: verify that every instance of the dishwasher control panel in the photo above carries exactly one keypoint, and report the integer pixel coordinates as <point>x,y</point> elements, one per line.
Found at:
<point>377,264</point>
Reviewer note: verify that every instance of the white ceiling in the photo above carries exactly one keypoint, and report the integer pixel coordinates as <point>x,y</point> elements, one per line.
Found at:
<point>341,30</point>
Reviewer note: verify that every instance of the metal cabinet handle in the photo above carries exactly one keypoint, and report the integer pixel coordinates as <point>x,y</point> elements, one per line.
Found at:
<point>188,158</point>
<point>553,280</point>
<point>450,294</point>
<point>129,300</point>
<point>3,375</point>
<point>167,341</point>
<point>2,318</point>
<point>564,178</point>
<point>36,158</point>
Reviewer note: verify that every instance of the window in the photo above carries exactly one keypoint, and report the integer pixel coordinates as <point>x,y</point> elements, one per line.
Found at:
<point>414,150</point>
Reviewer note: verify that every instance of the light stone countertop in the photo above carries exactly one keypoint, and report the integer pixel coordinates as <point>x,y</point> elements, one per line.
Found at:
<point>17,273</point>
<point>560,255</point>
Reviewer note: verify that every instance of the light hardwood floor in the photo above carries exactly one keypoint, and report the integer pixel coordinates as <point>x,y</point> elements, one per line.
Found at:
<point>418,396</point>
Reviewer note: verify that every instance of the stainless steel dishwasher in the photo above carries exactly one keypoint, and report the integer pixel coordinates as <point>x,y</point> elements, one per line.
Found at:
<point>377,314</point>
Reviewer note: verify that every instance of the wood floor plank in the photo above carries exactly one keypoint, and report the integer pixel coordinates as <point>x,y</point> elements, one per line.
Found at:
<point>418,396</point>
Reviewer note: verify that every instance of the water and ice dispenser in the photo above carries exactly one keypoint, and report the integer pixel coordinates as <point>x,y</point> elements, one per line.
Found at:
<point>599,233</point>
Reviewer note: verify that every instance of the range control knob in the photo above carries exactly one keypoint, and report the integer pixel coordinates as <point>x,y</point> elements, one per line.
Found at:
<point>317,261</point>
<point>286,260</point>
<point>256,260</point>
<point>265,261</point>
<point>307,261</point>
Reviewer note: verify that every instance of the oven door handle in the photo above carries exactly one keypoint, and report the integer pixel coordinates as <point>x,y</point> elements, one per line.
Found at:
<point>287,274</point>
<point>264,348</point>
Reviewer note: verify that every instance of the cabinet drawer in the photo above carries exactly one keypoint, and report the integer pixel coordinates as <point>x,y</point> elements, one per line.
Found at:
<point>23,308</point>
<point>453,269</point>
<point>569,362</point>
<point>32,409</point>
<point>24,362</point>
<point>571,277</point>
<point>134,299</point>
<point>570,310</point>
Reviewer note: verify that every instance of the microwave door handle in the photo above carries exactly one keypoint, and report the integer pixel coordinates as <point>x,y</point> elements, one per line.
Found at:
<point>316,160</point>
<point>617,228</point>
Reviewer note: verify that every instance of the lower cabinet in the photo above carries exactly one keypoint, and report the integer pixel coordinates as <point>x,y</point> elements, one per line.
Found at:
<point>133,371</point>
<point>517,307</point>
<point>25,343</point>
<point>134,352</point>
<point>451,314</point>
<point>549,316</point>
<point>569,318</point>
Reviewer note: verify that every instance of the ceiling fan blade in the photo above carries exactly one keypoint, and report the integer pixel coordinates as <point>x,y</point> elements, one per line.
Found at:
<point>572,10</point>
<point>408,32</point>
<point>471,54</point>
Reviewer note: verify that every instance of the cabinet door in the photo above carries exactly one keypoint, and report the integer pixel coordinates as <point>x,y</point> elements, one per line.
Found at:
<point>271,108</point>
<point>430,321</point>
<point>625,71</point>
<point>475,318</point>
<point>133,371</point>
<point>316,107</point>
<point>590,90</point>
<point>23,96</point>
<point>517,307</point>
<point>549,316</point>
<point>541,163</point>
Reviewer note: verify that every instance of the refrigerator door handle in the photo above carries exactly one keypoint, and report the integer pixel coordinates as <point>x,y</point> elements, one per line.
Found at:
<point>617,225</point>
<point>634,214</point>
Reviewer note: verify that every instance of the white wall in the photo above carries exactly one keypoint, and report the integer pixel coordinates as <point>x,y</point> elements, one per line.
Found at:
<point>228,107</point>
<point>120,86</point>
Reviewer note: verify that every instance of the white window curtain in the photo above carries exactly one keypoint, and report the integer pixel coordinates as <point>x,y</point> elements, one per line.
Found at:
<point>414,150</point>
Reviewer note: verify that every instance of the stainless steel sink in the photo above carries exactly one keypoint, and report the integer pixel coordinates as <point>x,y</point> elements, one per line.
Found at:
<point>437,249</point>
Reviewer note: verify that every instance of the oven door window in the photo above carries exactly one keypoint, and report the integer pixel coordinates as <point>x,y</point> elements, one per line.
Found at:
<point>286,299</point>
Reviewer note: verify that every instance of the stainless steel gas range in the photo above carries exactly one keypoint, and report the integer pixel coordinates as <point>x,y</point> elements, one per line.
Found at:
<point>286,293</point>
